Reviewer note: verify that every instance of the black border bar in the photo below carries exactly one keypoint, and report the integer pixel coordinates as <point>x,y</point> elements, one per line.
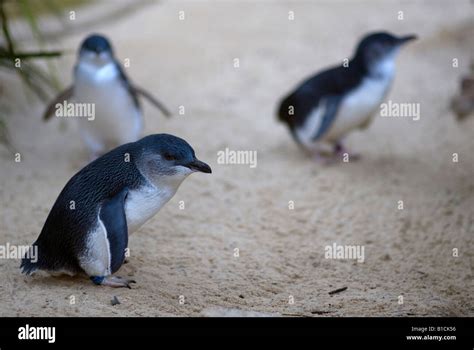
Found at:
<point>104,330</point>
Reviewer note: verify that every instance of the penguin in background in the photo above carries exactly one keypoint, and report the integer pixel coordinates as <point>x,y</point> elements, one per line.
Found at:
<point>326,107</point>
<point>113,196</point>
<point>100,80</point>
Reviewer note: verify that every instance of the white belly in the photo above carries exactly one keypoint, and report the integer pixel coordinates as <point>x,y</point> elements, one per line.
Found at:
<point>355,110</point>
<point>96,258</point>
<point>141,205</point>
<point>117,120</point>
<point>358,107</point>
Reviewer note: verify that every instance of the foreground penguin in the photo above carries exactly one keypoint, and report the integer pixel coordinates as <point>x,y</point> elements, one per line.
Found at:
<point>324,108</point>
<point>87,229</point>
<point>99,81</point>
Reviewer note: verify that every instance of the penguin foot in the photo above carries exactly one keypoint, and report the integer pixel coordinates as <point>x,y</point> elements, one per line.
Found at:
<point>112,281</point>
<point>340,152</point>
<point>324,160</point>
<point>347,157</point>
<point>342,156</point>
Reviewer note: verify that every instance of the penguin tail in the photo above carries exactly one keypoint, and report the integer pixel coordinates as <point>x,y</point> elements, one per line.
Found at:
<point>27,267</point>
<point>286,111</point>
<point>30,261</point>
<point>283,110</point>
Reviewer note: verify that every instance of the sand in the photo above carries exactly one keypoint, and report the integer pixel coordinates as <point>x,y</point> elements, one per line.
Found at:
<point>190,252</point>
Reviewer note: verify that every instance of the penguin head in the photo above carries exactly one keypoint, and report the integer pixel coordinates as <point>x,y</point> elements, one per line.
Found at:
<point>165,158</point>
<point>377,51</point>
<point>96,49</point>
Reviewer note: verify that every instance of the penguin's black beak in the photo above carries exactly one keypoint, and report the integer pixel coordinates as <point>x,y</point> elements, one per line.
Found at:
<point>197,165</point>
<point>407,38</point>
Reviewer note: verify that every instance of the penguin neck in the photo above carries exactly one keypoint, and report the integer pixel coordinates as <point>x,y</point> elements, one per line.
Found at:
<point>96,73</point>
<point>168,182</point>
<point>383,68</point>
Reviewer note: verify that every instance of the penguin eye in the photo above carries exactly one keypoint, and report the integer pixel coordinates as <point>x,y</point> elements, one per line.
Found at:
<point>169,157</point>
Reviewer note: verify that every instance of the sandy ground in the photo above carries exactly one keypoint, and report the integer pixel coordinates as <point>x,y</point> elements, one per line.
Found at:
<point>190,252</point>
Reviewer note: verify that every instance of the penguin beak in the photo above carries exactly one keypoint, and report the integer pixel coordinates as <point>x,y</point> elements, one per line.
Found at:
<point>404,39</point>
<point>197,165</point>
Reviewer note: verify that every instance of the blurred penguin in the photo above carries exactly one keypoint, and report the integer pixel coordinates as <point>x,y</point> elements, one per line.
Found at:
<point>327,106</point>
<point>101,88</point>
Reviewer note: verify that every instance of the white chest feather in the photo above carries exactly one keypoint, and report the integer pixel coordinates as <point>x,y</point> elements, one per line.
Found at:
<point>117,120</point>
<point>358,107</point>
<point>142,204</point>
<point>355,110</point>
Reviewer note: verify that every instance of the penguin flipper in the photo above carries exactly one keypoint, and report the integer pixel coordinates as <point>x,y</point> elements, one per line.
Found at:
<point>331,105</point>
<point>153,100</point>
<point>135,91</point>
<point>112,215</point>
<point>63,96</point>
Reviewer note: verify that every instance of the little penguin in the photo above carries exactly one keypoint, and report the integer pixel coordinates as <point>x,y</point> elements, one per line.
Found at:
<point>87,229</point>
<point>100,81</point>
<point>327,106</point>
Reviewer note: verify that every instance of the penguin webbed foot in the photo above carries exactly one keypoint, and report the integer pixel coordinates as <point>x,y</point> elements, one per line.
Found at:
<point>342,152</point>
<point>338,154</point>
<point>112,281</point>
<point>324,159</point>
